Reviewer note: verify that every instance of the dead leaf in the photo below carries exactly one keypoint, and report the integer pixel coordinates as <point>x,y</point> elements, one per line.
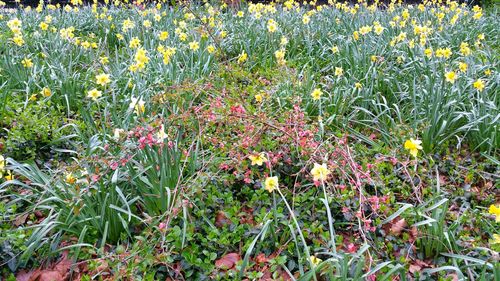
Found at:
<point>20,220</point>
<point>228,261</point>
<point>261,258</point>
<point>221,219</point>
<point>398,226</point>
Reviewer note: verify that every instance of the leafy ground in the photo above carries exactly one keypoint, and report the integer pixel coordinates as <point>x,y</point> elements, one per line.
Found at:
<point>257,142</point>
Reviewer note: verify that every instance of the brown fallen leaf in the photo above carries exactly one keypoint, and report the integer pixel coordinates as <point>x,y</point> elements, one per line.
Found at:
<point>228,261</point>
<point>221,219</point>
<point>398,226</point>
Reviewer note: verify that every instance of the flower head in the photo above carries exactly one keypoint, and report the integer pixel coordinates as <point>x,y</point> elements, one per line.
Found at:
<point>413,146</point>
<point>320,172</point>
<point>271,183</point>
<point>94,94</point>
<point>450,76</point>
<point>102,79</point>
<point>315,260</point>
<point>2,165</point>
<point>316,94</point>
<point>479,85</point>
<point>258,159</point>
<point>494,210</point>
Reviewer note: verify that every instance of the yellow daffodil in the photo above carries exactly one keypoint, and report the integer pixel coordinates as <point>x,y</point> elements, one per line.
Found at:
<point>242,57</point>
<point>320,172</point>
<point>479,85</point>
<point>258,159</point>
<point>450,76</point>
<point>316,94</point>
<point>413,146</point>
<point>494,210</point>
<point>70,178</point>
<point>2,165</point>
<point>94,94</point>
<point>271,183</point>
<point>102,79</point>
<point>315,261</point>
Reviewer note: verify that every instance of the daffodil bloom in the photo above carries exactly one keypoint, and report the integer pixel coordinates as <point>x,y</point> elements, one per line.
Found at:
<point>210,49</point>
<point>320,172</point>
<point>316,94</point>
<point>315,261</point>
<point>70,178</point>
<point>2,165</point>
<point>271,183</point>
<point>272,26</point>
<point>451,76</point>
<point>194,45</point>
<point>117,132</point>
<point>242,57</point>
<point>94,94</point>
<point>46,92</point>
<point>161,135</point>
<point>339,71</point>
<point>258,159</point>
<point>496,239</point>
<point>26,62</point>
<point>138,105</point>
<point>494,210</point>
<point>163,35</point>
<point>9,176</point>
<point>479,85</point>
<point>102,79</point>
<point>413,146</point>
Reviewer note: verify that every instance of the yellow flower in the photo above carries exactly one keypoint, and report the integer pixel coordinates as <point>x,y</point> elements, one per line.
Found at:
<point>94,94</point>
<point>339,71</point>
<point>271,184</point>
<point>2,165</point>
<point>161,135</point>
<point>494,210</point>
<point>163,35</point>
<point>46,92</point>
<point>70,178</point>
<point>102,79</point>
<point>240,14</point>
<point>210,49</point>
<point>194,45</point>
<point>104,60</point>
<point>334,49</point>
<point>258,98</point>
<point>26,62</point>
<point>134,43</point>
<point>413,146</point>
<point>315,261</point>
<point>43,26</point>
<point>358,85</point>
<point>428,52</point>
<point>9,176</point>
<point>306,19</point>
<point>462,66</point>
<point>451,76</point>
<point>138,105</point>
<point>242,57</point>
<point>316,94</point>
<point>18,40</point>
<point>479,85</point>
<point>320,172</point>
<point>258,159</point>
<point>496,239</point>
<point>280,56</point>
<point>272,25</point>
<point>379,29</point>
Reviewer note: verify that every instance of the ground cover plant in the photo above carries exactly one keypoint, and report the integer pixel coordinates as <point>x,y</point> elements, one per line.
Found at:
<point>243,141</point>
